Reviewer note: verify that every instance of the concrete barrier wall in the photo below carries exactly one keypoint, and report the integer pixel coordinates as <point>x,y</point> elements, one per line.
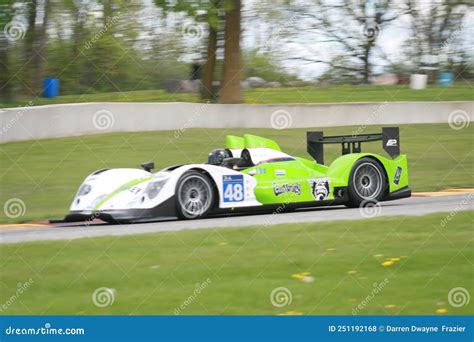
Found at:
<point>63,120</point>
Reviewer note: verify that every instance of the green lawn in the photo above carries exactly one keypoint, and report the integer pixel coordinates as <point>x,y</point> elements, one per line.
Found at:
<point>45,174</point>
<point>310,94</point>
<point>239,268</point>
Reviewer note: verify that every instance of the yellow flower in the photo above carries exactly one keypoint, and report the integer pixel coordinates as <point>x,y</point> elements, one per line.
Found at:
<point>387,263</point>
<point>352,272</point>
<point>293,313</point>
<point>395,259</point>
<point>297,276</point>
<point>390,306</point>
<point>303,276</point>
<point>441,311</point>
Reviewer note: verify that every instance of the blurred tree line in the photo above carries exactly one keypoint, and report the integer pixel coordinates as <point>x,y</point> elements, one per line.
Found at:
<point>125,45</point>
<point>122,45</point>
<point>91,46</point>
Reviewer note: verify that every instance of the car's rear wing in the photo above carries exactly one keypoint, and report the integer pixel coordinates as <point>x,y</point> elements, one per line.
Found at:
<point>390,137</point>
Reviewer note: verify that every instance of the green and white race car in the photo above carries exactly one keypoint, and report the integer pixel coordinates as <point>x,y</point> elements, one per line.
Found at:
<point>250,174</point>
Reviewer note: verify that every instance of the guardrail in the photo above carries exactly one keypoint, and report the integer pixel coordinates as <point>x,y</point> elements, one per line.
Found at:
<point>61,120</point>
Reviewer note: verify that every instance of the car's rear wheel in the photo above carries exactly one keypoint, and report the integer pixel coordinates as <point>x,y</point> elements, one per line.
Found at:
<point>194,195</point>
<point>367,182</point>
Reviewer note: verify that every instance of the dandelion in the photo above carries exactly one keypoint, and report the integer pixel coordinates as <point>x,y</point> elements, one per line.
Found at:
<point>297,276</point>
<point>303,276</point>
<point>390,306</point>
<point>441,311</point>
<point>387,263</point>
<point>291,313</point>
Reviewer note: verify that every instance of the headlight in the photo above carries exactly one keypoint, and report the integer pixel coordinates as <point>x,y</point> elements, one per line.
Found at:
<point>84,190</point>
<point>153,188</point>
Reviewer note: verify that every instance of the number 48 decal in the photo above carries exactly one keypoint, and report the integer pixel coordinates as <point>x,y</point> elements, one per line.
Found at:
<point>233,188</point>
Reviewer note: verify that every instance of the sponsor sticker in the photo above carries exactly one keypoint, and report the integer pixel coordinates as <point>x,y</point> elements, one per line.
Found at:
<point>398,174</point>
<point>233,188</point>
<point>391,142</point>
<point>280,173</point>
<point>319,188</point>
<point>280,189</point>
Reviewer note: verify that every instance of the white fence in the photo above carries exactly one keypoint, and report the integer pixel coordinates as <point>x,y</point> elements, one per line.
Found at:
<point>26,123</point>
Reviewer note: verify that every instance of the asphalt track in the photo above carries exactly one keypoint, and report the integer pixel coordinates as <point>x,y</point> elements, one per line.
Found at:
<point>420,205</point>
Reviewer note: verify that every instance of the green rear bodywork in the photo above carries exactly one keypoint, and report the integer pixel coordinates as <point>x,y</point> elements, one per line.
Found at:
<point>299,173</point>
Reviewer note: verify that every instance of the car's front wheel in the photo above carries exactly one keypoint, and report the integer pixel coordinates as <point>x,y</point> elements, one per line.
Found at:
<point>367,182</point>
<point>194,195</point>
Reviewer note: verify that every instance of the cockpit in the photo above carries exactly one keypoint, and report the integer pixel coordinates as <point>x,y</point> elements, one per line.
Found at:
<point>240,159</point>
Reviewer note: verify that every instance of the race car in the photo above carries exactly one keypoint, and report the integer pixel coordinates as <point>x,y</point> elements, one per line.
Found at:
<point>250,173</point>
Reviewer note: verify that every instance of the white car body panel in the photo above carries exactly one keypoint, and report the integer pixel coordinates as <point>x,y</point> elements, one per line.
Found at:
<point>135,196</point>
<point>263,154</point>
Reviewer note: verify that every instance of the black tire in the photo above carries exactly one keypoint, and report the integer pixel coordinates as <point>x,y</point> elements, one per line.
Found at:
<point>367,182</point>
<point>195,195</point>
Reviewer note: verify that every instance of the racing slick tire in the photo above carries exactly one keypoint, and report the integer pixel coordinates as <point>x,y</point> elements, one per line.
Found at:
<point>367,183</point>
<point>195,195</point>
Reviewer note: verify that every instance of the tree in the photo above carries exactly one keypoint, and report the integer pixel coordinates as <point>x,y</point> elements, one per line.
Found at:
<point>232,72</point>
<point>346,31</point>
<point>208,12</point>
<point>208,69</point>
<point>435,25</point>
<point>6,15</point>
<point>41,39</point>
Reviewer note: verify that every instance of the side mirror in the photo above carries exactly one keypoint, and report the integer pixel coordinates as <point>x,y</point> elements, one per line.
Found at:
<point>148,166</point>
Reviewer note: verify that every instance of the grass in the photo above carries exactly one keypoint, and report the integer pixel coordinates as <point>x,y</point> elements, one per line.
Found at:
<point>157,273</point>
<point>310,94</point>
<point>45,174</point>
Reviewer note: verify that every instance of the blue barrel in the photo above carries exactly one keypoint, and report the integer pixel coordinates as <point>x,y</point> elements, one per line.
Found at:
<point>446,78</point>
<point>50,87</point>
